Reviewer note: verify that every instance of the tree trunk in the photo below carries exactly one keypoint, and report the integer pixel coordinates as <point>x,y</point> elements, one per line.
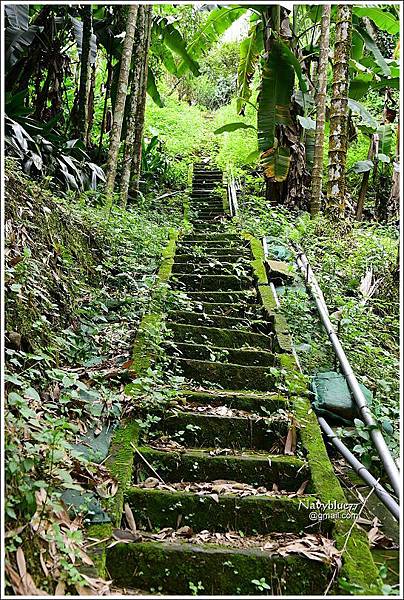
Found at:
<point>317,172</point>
<point>365,181</point>
<point>120,101</point>
<point>85,74</point>
<point>90,106</point>
<point>140,113</point>
<point>394,200</point>
<point>338,143</point>
<point>134,102</point>
<point>105,110</point>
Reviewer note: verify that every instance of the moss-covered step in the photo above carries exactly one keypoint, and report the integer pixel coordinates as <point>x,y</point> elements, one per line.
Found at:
<point>155,509</point>
<point>222,258</point>
<point>260,403</point>
<point>219,237</point>
<point>178,568</point>
<point>207,245</point>
<point>205,431</point>
<point>226,375</point>
<point>287,472</point>
<point>214,282</point>
<point>209,212</point>
<point>209,268</point>
<point>227,309</point>
<point>204,202</point>
<point>247,297</point>
<point>222,338</point>
<point>212,224</point>
<point>197,318</point>
<point>214,252</point>
<point>231,355</point>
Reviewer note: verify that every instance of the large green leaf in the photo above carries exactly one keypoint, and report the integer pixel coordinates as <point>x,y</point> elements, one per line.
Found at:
<point>152,89</point>
<point>359,86</point>
<point>218,21</point>
<point>385,21</point>
<point>276,163</point>
<point>358,109</point>
<point>233,127</point>
<point>249,54</point>
<point>17,15</point>
<point>274,99</point>
<point>385,133</point>
<point>291,59</point>
<point>176,43</point>
<point>357,46</point>
<point>78,35</point>
<point>373,48</point>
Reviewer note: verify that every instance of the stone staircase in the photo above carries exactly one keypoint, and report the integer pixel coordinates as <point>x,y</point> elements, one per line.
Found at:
<point>228,512</point>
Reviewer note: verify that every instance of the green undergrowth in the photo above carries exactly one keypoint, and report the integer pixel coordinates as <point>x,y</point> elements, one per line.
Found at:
<point>367,320</point>
<point>77,281</point>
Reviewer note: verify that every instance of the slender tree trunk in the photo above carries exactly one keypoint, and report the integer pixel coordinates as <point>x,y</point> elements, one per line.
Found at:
<point>107,93</point>
<point>90,106</point>
<point>140,113</point>
<point>338,144</point>
<point>365,182</point>
<point>85,74</point>
<point>394,200</point>
<point>317,172</point>
<point>120,101</point>
<point>134,102</point>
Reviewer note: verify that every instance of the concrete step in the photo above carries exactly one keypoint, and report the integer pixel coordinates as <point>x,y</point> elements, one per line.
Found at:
<point>212,282</point>
<point>258,402</point>
<point>214,570</point>
<point>215,251</point>
<point>200,430</point>
<point>229,297</point>
<point>212,267</point>
<point>223,322</point>
<point>232,355</point>
<point>226,375</point>
<point>156,508</point>
<point>218,237</point>
<point>257,469</point>
<point>219,337</point>
<point>221,258</point>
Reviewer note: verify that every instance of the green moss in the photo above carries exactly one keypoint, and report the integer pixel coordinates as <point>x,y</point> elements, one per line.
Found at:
<point>227,375</point>
<point>215,282</point>
<point>223,338</point>
<point>288,472</point>
<point>98,551</point>
<point>120,465</point>
<point>271,401</point>
<point>267,299</point>
<point>142,353</point>
<point>202,430</point>
<point>172,567</point>
<point>358,566</point>
<point>162,508</point>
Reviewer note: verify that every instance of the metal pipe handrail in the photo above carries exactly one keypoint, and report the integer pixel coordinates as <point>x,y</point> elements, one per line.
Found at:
<point>358,467</point>
<point>374,432</point>
<point>231,193</point>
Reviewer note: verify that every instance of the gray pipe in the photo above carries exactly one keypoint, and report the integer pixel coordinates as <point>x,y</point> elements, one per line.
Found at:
<point>358,467</point>
<point>374,432</point>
